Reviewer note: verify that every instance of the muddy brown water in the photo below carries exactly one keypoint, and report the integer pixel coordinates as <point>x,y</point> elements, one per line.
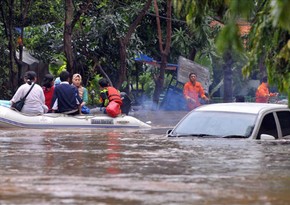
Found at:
<point>132,167</point>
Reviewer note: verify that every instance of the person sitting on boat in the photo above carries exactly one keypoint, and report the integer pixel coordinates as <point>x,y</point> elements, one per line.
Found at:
<point>66,98</point>
<point>83,92</point>
<point>35,100</point>
<point>127,103</point>
<point>48,89</point>
<point>110,97</point>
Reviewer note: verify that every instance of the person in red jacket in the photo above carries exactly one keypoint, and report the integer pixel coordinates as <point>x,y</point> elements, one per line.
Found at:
<point>48,89</point>
<point>192,90</point>
<point>262,93</point>
<point>109,94</point>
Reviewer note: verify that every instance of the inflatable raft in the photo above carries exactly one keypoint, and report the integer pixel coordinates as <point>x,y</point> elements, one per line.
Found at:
<point>10,118</point>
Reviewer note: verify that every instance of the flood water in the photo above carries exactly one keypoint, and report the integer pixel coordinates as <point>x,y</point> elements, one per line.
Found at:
<point>132,167</point>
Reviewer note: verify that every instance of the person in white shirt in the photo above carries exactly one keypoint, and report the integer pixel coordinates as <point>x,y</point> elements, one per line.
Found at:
<point>35,101</point>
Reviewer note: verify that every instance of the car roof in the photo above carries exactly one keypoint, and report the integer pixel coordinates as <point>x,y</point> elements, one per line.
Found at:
<point>243,107</point>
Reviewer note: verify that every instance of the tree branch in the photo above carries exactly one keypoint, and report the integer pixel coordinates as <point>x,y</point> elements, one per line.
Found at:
<point>158,26</point>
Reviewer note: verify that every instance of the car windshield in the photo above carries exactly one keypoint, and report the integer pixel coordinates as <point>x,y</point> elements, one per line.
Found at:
<point>219,124</point>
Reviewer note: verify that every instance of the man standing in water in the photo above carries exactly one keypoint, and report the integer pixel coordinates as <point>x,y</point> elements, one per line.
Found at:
<point>262,93</point>
<point>191,90</point>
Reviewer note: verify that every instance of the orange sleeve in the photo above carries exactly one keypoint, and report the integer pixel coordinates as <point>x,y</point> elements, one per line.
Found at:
<point>272,94</point>
<point>201,91</point>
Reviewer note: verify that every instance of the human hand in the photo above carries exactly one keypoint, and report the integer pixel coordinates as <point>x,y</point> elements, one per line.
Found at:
<point>273,94</point>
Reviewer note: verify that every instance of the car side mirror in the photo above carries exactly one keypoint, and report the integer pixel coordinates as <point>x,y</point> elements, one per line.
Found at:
<point>267,137</point>
<point>168,133</point>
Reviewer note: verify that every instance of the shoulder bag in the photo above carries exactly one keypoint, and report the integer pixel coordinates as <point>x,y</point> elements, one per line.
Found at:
<point>20,103</point>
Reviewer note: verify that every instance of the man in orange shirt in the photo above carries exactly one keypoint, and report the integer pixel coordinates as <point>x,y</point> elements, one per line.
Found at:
<point>191,90</point>
<point>262,93</point>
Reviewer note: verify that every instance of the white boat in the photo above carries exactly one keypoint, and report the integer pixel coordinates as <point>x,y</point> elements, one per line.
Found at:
<point>10,118</point>
<point>5,103</point>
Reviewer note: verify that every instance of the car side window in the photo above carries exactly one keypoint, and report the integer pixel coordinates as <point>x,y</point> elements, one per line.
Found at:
<point>284,119</point>
<point>268,126</point>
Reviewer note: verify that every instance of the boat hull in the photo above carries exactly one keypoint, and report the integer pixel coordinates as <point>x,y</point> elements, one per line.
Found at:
<point>13,119</point>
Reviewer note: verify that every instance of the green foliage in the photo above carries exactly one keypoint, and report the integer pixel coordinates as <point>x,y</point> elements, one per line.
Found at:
<point>180,40</point>
<point>241,9</point>
<point>45,41</point>
<point>229,39</point>
<point>269,41</point>
<point>94,90</point>
<point>146,80</point>
<point>204,60</point>
<point>58,65</point>
<point>39,12</point>
<point>280,13</point>
<point>98,37</point>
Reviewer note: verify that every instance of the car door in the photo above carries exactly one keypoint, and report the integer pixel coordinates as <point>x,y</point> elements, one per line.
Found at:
<point>268,126</point>
<point>284,121</point>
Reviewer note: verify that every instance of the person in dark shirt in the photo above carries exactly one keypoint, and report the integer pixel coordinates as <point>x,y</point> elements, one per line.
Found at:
<point>240,98</point>
<point>65,97</point>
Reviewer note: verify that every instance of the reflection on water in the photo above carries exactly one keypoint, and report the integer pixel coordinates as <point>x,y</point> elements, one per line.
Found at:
<point>113,167</point>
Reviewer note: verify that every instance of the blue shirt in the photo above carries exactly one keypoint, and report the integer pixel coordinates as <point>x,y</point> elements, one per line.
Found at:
<point>65,98</point>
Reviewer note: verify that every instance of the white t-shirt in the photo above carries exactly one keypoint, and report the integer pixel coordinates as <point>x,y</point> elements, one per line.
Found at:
<point>35,101</point>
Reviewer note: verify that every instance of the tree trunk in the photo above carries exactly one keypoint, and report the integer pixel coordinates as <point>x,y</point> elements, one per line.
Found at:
<point>159,79</point>
<point>12,72</point>
<point>69,24</point>
<point>9,31</point>
<point>99,67</point>
<point>228,77</point>
<point>262,67</point>
<point>192,54</point>
<point>67,40</point>
<point>124,43</point>
<point>123,67</point>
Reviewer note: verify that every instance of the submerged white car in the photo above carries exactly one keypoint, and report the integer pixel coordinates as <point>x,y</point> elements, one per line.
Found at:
<point>236,120</point>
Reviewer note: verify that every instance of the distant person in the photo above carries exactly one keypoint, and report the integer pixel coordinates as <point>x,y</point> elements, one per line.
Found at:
<point>262,93</point>
<point>48,89</point>
<point>65,97</point>
<point>126,103</point>
<point>35,101</point>
<point>110,94</point>
<point>83,92</point>
<point>240,98</point>
<point>192,90</point>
